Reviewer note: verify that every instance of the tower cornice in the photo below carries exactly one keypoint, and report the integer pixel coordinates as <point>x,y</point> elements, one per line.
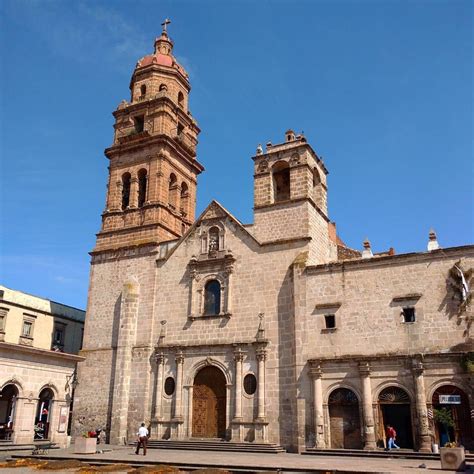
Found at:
<point>153,140</point>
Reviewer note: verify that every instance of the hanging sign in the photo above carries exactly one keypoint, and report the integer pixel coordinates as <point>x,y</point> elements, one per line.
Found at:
<point>450,399</point>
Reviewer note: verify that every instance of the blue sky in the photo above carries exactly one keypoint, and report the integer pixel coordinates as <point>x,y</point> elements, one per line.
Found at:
<point>382,90</point>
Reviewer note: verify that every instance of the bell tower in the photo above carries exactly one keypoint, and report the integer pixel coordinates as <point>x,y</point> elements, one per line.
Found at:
<point>151,192</point>
<point>290,197</point>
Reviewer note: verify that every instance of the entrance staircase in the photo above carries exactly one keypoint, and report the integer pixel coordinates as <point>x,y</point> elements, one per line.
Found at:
<point>379,453</point>
<point>210,444</point>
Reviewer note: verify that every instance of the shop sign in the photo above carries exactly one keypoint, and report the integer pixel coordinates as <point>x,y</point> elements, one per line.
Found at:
<point>450,399</point>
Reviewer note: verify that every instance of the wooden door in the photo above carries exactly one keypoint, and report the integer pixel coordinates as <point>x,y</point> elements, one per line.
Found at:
<point>344,420</point>
<point>209,404</point>
<point>345,427</point>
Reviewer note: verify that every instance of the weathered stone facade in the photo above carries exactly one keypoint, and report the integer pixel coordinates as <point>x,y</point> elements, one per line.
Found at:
<point>274,332</point>
<point>39,342</point>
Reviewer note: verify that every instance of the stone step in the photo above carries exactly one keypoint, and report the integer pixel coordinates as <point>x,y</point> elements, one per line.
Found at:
<point>214,445</point>
<point>394,453</point>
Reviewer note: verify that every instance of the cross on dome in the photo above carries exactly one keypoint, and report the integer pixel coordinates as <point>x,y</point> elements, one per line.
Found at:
<point>165,24</point>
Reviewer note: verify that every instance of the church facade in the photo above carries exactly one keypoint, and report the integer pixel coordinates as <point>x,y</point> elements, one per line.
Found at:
<point>273,332</point>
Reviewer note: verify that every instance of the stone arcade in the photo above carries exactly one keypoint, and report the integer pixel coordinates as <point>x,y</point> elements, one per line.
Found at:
<point>271,332</point>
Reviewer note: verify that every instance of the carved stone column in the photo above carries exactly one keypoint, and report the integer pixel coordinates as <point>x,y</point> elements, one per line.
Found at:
<point>316,373</point>
<point>423,435</point>
<point>229,268</point>
<point>178,408</point>
<point>261,357</point>
<point>133,193</point>
<point>160,360</point>
<point>238,358</point>
<point>369,424</point>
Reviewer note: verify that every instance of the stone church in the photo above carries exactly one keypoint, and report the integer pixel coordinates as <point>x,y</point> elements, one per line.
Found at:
<point>273,332</point>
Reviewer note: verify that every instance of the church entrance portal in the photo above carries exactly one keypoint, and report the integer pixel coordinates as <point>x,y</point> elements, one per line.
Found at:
<point>209,403</point>
<point>395,410</point>
<point>344,419</point>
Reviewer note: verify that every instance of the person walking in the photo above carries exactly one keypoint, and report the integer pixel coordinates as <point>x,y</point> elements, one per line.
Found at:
<point>142,439</point>
<point>391,436</point>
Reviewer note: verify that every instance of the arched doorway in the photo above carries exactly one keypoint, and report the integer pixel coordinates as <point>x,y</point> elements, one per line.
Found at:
<point>344,419</point>
<point>395,410</point>
<point>43,414</point>
<point>209,403</point>
<point>454,403</point>
<point>8,397</point>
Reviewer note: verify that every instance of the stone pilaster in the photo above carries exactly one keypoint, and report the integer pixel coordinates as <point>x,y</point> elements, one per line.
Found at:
<point>160,360</point>
<point>369,424</point>
<point>116,204</point>
<point>133,193</point>
<point>238,358</point>
<point>178,405</point>
<point>316,374</point>
<point>423,433</point>
<point>123,370</point>
<point>261,357</point>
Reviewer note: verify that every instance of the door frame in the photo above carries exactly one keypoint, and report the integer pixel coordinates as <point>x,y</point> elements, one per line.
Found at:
<point>189,385</point>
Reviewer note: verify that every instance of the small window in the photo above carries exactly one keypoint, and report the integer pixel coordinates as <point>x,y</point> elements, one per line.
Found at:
<point>170,386</point>
<point>139,123</point>
<point>408,315</point>
<point>330,320</point>
<point>143,89</point>
<point>58,338</point>
<point>59,335</point>
<point>180,128</point>
<point>3,318</point>
<point>250,384</point>
<point>163,87</point>
<point>27,330</point>
<point>180,99</point>
<point>212,298</point>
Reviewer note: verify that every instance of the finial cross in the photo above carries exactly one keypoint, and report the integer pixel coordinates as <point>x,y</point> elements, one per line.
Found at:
<point>165,24</point>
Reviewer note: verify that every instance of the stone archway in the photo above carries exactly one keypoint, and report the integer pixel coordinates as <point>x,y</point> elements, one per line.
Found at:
<point>395,409</point>
<point>8,398</point>
<point>209,404</point>
<point>455,402</point>
<point>43,414</point>
<point>344,419</point>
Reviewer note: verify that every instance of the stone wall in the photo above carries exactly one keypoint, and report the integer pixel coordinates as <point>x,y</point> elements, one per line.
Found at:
<point>30,371</point>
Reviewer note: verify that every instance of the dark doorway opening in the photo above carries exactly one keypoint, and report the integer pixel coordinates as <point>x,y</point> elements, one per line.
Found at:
<point>395,410</point>
<point>43,414</point>
<point>453,400</point>
<point>8,397</point>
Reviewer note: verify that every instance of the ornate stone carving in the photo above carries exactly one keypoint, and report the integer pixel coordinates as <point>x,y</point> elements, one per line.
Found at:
<point>214,211</point>
<point>262,166</point>
<point>295,159</point>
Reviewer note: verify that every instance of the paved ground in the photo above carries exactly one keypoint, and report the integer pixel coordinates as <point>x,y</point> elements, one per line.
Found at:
<point>284,462</point>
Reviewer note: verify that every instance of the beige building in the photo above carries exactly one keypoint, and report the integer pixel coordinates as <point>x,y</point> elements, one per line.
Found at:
<point>39,342</point>
<point>272,332</point>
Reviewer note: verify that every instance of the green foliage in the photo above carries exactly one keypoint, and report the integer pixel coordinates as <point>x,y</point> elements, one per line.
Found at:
<point>444,417</point>
<point>467,362</point>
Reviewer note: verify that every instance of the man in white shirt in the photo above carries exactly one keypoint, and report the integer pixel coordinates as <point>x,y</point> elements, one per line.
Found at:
<point>142,439</point>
